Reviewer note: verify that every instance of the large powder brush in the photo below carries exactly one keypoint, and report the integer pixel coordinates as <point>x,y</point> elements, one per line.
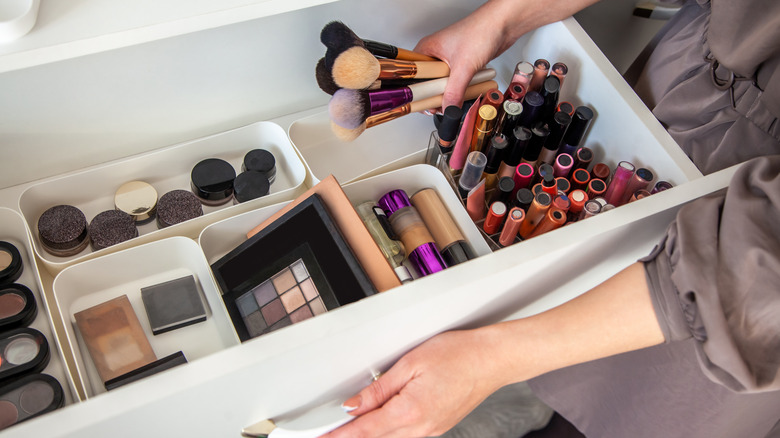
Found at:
<point>339,37</point>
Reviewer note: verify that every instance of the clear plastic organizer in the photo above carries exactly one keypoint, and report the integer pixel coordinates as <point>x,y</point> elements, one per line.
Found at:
<point>125,272</point>
<point>92,190</point>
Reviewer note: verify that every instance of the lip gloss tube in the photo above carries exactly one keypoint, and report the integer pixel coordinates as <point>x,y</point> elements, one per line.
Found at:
<point>591,208</point>
<point>511,226</point>
<point>640,181</point>
<point>559,70</point>
<point>504,190</point>
<point>566,107</point>
<point>516,91</point>
<point>639,194</point>
<point>523,199</point>
<point>554,218</point>
<point>417,239</point>
<point>601,171</point>
<point>551,88</point>
<point>451,242</point>
<point>536,212</point>
<point>532,106</point>
<point>475,202</point>
<point>472,172</point>
<point>579,124</point>
<point>523,176</point>
<point>660,186</point>
<point>517,143</point>
<point>562,166</point>
<point>596,188</point>
<point>486,120</point>
<point>617,185</point>
<point>559,123</point>
<point>562,202</point>
<point>494,155</point>
<point>580,179</point>
<point>448,128</point>
<point>524,71</point>
<point>549,185</point>
<point>539,134</point>
<point>494,218</point>
<point>372,217</point>
<point>510,116</point>
<point>493,98</point>
<point>578,198</point>
<point>582,158</point>
<point>541,68</point>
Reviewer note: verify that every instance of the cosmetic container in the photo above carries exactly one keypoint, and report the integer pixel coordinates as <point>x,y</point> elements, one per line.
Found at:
<point>619,182</point>
<point>472,172</point>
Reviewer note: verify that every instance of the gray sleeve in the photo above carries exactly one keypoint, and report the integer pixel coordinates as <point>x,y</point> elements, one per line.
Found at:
<point>716,277</point>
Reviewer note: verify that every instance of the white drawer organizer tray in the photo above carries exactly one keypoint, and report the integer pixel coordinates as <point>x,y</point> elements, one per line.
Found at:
<point>166,169</point>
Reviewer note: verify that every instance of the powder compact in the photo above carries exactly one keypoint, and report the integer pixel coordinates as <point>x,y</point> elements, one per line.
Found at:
<point>176,207</point>
<point>173,304</point>
<point>11,265</point>
<point>212,181</point>
<point>260,160</point>
<point>138,199</point>
<point>250,185</point>
<point>17,306</point>
<point>110,228</point>
<point>63,230</point>
<point>295,268</point>
<point>23,350</point>
<point>28,397</point>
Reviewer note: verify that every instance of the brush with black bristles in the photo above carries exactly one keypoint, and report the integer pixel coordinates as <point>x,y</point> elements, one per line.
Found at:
<point>338,36</point>
<point>349,108</point>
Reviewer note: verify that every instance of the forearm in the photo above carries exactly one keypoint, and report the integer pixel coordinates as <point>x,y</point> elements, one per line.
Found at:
<point>519,17</point>
<point>615,317</point>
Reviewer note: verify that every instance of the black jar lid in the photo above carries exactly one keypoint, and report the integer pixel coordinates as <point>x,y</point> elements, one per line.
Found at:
<point>11,265</point>
<point>212,179</point>
<point>250,185</point>
<point>260,160</point>
<point>17,306</point>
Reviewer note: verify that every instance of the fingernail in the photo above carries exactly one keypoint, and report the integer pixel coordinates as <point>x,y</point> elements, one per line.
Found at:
<point>428,112</point>
<point>352,404</point>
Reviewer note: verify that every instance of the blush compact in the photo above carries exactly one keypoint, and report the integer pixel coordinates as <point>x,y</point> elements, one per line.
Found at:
<point>17,306</point>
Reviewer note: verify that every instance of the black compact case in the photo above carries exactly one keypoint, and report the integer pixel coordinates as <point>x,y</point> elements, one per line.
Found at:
<point>23,351</point>
<point>307,232</point>
<point>18,306</point>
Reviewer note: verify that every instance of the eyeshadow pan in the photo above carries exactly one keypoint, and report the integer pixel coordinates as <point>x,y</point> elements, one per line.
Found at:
<point>8,414</point>
<point>293,299</point>
<point>11,304</point>
<point>273,312</point>
<point>247,304</point>
<point>309,289</point>
<point>318,307</point>
<point>284,281</point>
<point>255,324</point>
<point>5,259</point>
<point>21,350</point>
<point>36,397</point>
<point>299,270</point>
<point>301,314</point>
<point>265,293</point>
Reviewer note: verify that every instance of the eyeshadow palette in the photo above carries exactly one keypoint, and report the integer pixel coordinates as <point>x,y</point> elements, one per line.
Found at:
<point>29,396</point>
<point>296,268</point>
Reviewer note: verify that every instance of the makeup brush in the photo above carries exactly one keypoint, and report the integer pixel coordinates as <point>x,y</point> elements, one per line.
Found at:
<point>326,83</point>
<point>349,108</point>
<point>347,135</point>
<point>338,36</point>
<point>358,72</point>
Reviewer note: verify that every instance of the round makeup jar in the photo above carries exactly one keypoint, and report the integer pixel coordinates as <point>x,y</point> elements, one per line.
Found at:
<point>212,181</point>
<point>138,199</point>
<point>23,350</point>
<point>111,227</point>
<point>63,230</point>
<point>250,185</point>
<point>17,306</point>
<point>28,397</point>
<point>11,265</point>
<point>260,160</point>
<point>177,206</point>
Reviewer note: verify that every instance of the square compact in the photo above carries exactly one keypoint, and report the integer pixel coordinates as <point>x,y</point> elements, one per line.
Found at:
<point>173,304</point>
<point>296,268</point>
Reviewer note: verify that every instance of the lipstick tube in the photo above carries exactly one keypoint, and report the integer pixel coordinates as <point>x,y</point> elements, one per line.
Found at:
<point>550,91</point>
<point>554,218</point>
<point>558,125</point>
<point>483,127</point>
<point>472,172</point>
<point>639,181</point>
<point>566,107</point>
<point>523,199</point>
<point>562,166</point>
<point>524,71</point>
<point>539,134</point>
<point>596,188</point>
<point>549,185</point>
<point>579,124</point>
<point>660,186</point>
<point>536,213</point>
<point>511,226</point>
<point>562,202</point>
<point>510,116</point>
<point>454,247</point>
<point>617,185</point>
<point>504,190</point>
<point>409,226</point>
<point>601,171</point>
<point>494,155</point>
<point>559,70</point>
<point>516,91</point>
<point>532,106</point>
<point>524,174</point>
<point>639,194</point>
<point>372,217</point>
<point>494,218</point>
<point>493,98</point>
<point>582,158</point>
<point>564,186</point>
<point>578,198</point>
<point>448,128</point>
<point>591,208</point>
<point>541,68</point>
<point>517,144</point>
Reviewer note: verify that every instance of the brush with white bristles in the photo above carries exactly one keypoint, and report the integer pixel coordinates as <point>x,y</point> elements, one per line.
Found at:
<point>349,108</point>
<point>347,134</point>
<point>352,70</point>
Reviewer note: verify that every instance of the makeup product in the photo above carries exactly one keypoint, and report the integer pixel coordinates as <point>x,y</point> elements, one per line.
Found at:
<point>536,212</point>
<point>539,134</point>
<point>315,422</point>
<point>516,92</point>
<point>607,207</point>
<point>579,124</point>
<point>348,222</point>
<point>28,397</point>
<point>410,227</point>
<point>475,202</point>
<point>62,230</point>
<point>260,160</point>
<point>138,199</point>
<point>558,124</point>
<point>212,181</point>
<point>551,88</point>
<point>504,190</point>
<point>532,109</point>
<point>22,351</point>
<point>296,267</point>
<point>537,188</point>
<point>448,128</point>
<point>541,68</point>
<point>173,304</point>
<point>619,182</point>
<point>472,172</point>
<point>660,186</point>
<point>523,199</point>
<point>579,179</point>
<point>493,98</point>
<point>486,121</point>
<point>250,185</point>
<point>524,174</point>
<point>582,158</point>
<point>494,155</point>
<point>517,144</point>
<point>11,266</point>
<point>176,207</point>
<point>639,181</point>
<point>111,227</point>
<point>509,117</point>
<point>549,185</point>
<point>375,220</point>
<point>578,198</point>
<point>553,219</point>
<point>596,188</point>
<point>563,184</point>
<point>17,306</point>
<point>463,142</point>
<point>360,75</point>
<point>563,165</point>
<point>591,208</point>
<point>512,225</point>
<point>562,202</point>
<point>542,170</point>
<point>337,34</point>
<point>114,338</point>
<point>559,70</point>
<point>495,217</point>
<point>566,107</point>
<point>147,370</point>
<point>523,73</point>
<point>639,194</point>
<point>601,171</point>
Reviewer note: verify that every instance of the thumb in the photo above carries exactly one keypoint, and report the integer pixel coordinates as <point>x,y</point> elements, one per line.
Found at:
<point>376,394</point>
<point>456,85</point>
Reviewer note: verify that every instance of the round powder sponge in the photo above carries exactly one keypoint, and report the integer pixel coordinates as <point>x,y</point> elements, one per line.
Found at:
<point>63,230</point>
<point>177,206</point>
<point>111,227</point>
